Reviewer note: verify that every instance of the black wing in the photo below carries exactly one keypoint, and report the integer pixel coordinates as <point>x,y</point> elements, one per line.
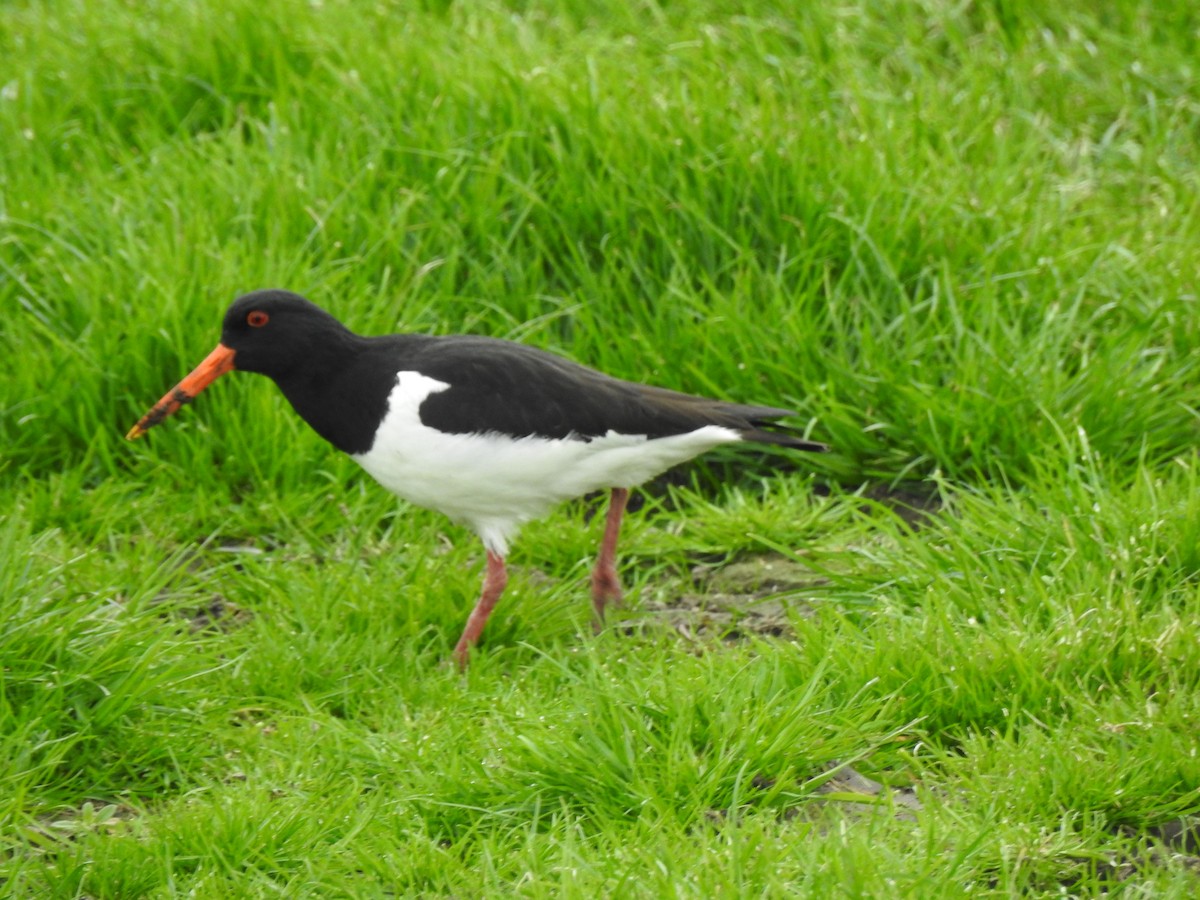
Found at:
<point>507,388</point>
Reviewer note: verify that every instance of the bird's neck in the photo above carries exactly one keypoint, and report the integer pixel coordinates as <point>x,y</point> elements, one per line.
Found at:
<point>339,394</point>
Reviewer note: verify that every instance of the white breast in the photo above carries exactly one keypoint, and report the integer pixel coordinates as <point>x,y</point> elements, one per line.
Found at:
<point>494,483</point>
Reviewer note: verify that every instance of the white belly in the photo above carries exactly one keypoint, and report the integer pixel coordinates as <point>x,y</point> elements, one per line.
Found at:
<point>494,483</point>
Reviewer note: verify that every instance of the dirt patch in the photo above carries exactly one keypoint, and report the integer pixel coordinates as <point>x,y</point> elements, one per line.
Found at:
<point>757,595</point>
<point>49,833</point>
<point>840,792</point>
<point>1176,841</point>
<point>845,784</point>
<point>915,503</point>
<point>218,614</point>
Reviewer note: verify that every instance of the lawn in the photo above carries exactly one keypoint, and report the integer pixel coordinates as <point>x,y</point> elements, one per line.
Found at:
<point>957,656</point>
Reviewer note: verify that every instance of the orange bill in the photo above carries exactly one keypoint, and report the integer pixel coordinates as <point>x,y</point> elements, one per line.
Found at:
<point>214,366</point>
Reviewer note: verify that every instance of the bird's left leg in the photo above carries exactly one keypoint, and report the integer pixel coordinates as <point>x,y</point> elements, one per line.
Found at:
<point>494,580</point>
<point>606,585</point>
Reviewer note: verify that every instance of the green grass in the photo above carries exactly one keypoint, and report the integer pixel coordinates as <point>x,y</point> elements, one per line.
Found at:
<point>961,240</point>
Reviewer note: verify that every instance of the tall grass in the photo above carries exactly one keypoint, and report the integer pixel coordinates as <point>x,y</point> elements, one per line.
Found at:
<point>960,240</point>
<point>938,240</point>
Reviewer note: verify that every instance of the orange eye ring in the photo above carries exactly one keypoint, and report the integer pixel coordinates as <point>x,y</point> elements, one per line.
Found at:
<point>257,319</point>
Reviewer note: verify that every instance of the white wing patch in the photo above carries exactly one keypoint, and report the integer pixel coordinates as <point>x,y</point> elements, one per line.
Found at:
<point>494,483</point>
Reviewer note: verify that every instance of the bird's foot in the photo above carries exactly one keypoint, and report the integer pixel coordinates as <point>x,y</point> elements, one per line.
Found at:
<point>606,589</point>
<point>462,655</point>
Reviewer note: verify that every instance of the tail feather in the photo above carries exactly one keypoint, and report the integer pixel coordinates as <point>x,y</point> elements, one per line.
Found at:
<point>783,439</point>
<point>763,430</point>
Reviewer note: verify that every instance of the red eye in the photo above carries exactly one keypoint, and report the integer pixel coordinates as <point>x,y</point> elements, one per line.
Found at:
<point>257,319</point>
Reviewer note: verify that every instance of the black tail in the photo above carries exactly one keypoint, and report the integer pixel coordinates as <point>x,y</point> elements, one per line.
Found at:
<point>761,429</point>
<point>782,436</point>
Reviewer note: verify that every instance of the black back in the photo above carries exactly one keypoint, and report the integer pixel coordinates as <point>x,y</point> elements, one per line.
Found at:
<point>513,389</point>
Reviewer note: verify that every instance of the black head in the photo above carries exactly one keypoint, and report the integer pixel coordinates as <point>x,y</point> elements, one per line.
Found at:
<point>276,332</point>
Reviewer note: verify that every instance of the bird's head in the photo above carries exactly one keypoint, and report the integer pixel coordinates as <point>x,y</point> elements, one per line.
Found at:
<point>273,332</point>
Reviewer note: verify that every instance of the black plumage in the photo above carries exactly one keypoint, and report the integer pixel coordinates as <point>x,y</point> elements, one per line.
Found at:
<point>339,383</point>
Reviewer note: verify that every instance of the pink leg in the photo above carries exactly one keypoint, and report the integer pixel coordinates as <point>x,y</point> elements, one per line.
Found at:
<point>606,586</point>
<point>494,580</point>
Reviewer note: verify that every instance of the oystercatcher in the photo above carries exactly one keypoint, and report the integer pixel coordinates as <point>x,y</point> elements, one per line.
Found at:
<point>487,431</point>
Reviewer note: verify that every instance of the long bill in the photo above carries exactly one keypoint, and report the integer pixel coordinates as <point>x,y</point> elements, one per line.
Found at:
<point>214,366</point>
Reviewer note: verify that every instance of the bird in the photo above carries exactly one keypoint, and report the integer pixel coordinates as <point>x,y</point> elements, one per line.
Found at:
<point>491,433</point>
